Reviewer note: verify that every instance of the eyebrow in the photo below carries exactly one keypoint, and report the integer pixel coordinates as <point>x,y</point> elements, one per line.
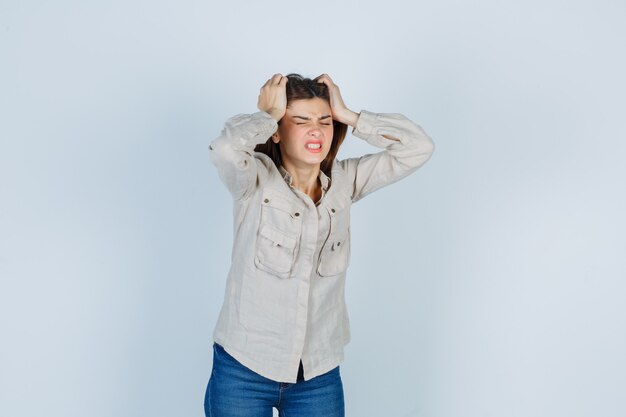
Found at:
<point>308,118</point>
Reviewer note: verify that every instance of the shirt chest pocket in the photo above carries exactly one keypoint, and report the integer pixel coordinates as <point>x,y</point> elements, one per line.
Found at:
<point>279,235</point>
<point>335,254</point>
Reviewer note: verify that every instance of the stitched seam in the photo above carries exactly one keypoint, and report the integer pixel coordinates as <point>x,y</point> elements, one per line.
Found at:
<point>209,399</point>
<point>280,392</point>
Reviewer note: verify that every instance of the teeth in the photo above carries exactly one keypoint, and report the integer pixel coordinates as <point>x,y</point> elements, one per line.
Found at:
<point>314,146</point>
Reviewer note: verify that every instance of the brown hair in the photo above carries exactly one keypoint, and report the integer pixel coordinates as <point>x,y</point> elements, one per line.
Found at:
<point>300,88</point>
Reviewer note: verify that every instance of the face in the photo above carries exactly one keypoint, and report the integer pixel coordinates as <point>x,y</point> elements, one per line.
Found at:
<point>305,133</point>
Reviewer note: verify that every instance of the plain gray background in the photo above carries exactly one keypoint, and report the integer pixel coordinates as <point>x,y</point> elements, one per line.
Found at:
<point>490,283</point>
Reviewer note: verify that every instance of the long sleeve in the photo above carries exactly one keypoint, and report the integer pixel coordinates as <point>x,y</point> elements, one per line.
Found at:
<point>398,158</point>
<point>232,152</point>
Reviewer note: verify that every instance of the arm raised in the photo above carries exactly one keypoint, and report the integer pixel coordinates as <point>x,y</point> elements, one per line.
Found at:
<point>405,145</point>
<point>232,152</point>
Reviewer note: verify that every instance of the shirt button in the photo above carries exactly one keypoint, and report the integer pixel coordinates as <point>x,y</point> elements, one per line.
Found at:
<point>296,214</point>
<point>332,210</point>
<point>266,200</point>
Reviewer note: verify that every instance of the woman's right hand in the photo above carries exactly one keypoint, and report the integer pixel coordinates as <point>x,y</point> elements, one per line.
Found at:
<point>273,97</point>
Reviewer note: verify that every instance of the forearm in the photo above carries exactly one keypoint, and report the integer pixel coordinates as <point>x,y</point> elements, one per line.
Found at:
<point>348,117</point>
<point>393,132</point>
<point>405,146</point>
<point>245,131</point>
<point>232,151</point>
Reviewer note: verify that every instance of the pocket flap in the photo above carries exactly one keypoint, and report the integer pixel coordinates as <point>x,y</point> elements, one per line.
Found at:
<point>279,201</point>
<point>278,237</point>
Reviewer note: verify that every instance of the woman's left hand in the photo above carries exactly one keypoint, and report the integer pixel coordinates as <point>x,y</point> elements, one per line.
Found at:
<point>341,113</point>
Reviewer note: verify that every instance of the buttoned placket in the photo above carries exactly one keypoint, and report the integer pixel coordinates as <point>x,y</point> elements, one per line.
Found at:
<point>313,218</point>
<point>309,234</point>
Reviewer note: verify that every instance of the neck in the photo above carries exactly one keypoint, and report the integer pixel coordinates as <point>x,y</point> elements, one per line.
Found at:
<point>304,178</point>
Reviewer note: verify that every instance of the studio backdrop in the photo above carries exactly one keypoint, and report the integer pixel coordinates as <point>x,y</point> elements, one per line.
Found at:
<point>490,283</point>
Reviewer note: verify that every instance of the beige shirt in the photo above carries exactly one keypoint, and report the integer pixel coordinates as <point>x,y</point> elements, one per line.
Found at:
<point>284,299</point>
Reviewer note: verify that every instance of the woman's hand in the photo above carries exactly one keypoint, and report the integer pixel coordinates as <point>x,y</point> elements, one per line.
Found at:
<point>341,113</point>
<point>273,97</point>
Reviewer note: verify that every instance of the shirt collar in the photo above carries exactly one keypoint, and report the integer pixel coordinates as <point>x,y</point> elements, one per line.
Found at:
<point>289,180</point>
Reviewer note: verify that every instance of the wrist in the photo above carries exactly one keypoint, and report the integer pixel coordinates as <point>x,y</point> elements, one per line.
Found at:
<point>276,115</point>
<point>348,117</point>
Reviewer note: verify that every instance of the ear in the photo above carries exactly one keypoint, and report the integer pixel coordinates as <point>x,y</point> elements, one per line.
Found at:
<point>276,137</point>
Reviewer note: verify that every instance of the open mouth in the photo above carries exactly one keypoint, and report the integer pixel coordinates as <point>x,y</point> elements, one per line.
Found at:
<point>313,147</point>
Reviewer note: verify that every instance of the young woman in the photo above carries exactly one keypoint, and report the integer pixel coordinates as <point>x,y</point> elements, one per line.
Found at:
<point>281,331</point>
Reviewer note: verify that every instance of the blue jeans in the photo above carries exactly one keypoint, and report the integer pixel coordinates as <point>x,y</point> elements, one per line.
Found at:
<point>236,391</point>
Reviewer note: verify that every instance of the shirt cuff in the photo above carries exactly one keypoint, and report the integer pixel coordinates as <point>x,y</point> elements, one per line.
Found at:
<point>366,122</point>
<point>251,129</point>
<point>369,126</point>
<point>263,125</point>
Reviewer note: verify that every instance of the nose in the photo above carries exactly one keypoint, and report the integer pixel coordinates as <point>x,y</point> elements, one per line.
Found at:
<point>315,132</point>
